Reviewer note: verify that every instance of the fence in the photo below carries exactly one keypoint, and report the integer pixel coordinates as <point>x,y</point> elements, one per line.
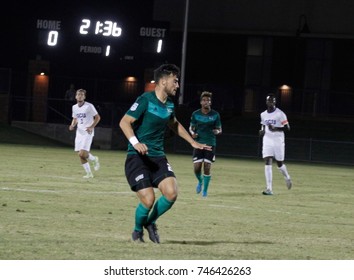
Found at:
<point>250,146</point>
<point>113,98</point>
<point>230,145</point>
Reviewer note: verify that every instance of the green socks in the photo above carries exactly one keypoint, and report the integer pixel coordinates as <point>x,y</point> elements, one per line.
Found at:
<point>206,183</point>
<point>199,177</point>
<point>160,207</point>
<point>141,214</point>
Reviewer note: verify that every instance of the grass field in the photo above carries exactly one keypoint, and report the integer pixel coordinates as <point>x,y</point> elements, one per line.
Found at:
<point>48,211</point>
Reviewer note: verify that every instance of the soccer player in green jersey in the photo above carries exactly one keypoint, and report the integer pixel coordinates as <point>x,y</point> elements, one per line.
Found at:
<point>146,165</point>
<point>204,126</point>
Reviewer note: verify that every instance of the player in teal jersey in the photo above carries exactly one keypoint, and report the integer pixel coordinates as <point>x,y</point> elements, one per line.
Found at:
<point>204,126</point>
<point>146,165</point>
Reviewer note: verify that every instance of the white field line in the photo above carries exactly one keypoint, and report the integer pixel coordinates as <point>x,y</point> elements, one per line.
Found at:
<point>181,200</point>
<point>242,208</point>
<point>58,191</point>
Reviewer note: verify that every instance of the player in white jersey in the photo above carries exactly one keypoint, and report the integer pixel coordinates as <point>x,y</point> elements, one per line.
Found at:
<point>273,124</point>
<point>85,117</point>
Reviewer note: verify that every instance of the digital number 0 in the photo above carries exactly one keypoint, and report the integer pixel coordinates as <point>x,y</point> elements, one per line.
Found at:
<point>52,38</point>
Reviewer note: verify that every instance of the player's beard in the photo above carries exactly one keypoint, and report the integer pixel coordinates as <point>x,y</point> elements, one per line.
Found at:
<point>171,92</point>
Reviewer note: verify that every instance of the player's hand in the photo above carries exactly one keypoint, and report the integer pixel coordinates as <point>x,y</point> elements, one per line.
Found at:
<point>216,131</point>
<point>272,128</point>
<point>141,148</point>
<point>197,145</point>
<point>194,135</point>
<point>71,127</point>
<point>261,132</point>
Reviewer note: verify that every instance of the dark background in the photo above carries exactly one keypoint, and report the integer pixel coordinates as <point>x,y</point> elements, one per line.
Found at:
<point>217,36</point>
<point>240,50</point>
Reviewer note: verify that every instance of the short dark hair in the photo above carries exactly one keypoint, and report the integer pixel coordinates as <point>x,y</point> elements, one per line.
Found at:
<point>271,96</point>
<point>166,70</point>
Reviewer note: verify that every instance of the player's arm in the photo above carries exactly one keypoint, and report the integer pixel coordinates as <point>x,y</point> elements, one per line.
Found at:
<point>126,126</point>
<point>193,127</point>
<point>178,128</point>
<point>192,131</point>
<point>284,128</point>
<point>73,124</point>
<point>96,120</point>
<point>217,130</point>
<point>262,130</point>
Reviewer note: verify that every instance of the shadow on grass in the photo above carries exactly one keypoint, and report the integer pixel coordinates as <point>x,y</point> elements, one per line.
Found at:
<point>214,242</point>
<point>239,194</point>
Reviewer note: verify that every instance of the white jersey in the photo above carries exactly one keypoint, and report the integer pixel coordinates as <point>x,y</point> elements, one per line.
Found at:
<point>274,141</point>
<point>277,118</point>
<point>85,116</point>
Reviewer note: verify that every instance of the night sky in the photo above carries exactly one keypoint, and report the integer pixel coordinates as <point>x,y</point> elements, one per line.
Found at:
<point>25,42</point>
<point>220,44</point>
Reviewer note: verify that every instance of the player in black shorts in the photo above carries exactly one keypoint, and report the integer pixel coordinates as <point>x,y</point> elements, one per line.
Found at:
<point>204,126</point>
<point>146,165</point>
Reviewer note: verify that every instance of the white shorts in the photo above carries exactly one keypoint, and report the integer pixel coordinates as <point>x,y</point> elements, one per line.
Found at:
<point>83,141</point>
<point>275,149</point>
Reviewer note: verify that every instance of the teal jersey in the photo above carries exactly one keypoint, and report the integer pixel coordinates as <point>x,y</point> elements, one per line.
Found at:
<point>204,124</point>
<point>152,117</point>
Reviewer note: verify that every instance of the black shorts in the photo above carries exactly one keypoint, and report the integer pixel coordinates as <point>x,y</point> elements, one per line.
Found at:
<point>200,155</point>
<point>143,171</point>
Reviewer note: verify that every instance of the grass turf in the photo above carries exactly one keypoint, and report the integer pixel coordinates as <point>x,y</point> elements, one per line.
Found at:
<point>48,211</point>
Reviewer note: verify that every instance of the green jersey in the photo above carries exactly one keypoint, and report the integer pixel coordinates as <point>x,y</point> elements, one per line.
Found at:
<point>204,124</point>
<point>152,117</point>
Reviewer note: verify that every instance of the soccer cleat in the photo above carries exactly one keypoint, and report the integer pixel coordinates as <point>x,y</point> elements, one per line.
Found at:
<point>96,164</point>
<point>153,234</point>
<point>204,194</point>
<point>137,236</point>
<point>289,184</point>
<point>88,176</point>
<point>267,192</point>
<point>198,188</point>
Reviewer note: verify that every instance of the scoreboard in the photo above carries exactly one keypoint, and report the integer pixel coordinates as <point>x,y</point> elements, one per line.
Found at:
<point>100,46</point>
<point>103,36</point>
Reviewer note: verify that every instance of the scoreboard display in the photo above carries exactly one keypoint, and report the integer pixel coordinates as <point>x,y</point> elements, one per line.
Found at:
<point>100,36</point>
<point>98,44</point>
